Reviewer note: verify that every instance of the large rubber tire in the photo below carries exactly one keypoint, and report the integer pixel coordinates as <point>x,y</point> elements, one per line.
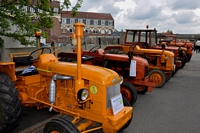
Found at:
<point>10,104</point>
<point>168,75</point>
<point>129,92</point>
<point>60,125</point>
<point>157,76</point>
<point>188,57</point>
<point>145,89</point>
<point>126,103</point>
<point>182,62</point>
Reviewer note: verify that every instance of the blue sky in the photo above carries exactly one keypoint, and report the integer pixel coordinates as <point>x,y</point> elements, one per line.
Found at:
<point>180,16</point>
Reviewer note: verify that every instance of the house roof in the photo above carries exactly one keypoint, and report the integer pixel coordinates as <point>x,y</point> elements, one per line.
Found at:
<point>87,15</point>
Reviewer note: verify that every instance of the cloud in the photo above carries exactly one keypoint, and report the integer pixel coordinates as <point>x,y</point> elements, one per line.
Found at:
<point>143,13</point>
<point>180,16</point>
<point>184,17</point>
<point>183,4</point>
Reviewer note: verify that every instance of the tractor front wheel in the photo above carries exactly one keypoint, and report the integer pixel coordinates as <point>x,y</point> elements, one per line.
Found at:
<point>129,92</point>
<point>60,125</point>
<point>182,62</point>
<point>10,104</point>
<point>126,103</point>
<point>157,76</point>
<point>188,57</point>
<point>143,90</point>
<point>168,75</point>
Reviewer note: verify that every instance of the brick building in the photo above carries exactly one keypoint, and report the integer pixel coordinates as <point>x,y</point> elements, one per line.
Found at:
<point>96,25</point>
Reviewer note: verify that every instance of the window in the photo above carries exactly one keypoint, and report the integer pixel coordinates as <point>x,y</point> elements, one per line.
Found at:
<point>95,31</point>
<point>91,22</point>
<point>32,9</point>
<point>102,31</point>
<point>87,22</point>
<point>56,10</point>
<point>95,22</point>
<point>63,29</point>
<point>99,22</point>
<point>109,31</point>
<point>102,22</point>
<point>72,21</point>
<point>76,20</point>
<point>84,21</point>
<point>24,8</point>
<point>68,21</point>
<point>110,23</point>
<point>80,20</point>
<point>63,20</point>
<point>106,22</point>
<point>87,30</point>
<point>71,30</point>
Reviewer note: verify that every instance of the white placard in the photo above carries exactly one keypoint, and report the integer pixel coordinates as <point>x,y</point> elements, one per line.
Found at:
<point>132,68</point>
<point>117,103</point>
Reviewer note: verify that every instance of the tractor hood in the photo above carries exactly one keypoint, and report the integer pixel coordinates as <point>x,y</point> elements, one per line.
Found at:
<point>48,64</point>
<point>153,51</point>
<point>166,48</point>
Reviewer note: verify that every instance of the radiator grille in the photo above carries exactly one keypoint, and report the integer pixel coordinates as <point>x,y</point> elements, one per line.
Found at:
<point>111,91</point>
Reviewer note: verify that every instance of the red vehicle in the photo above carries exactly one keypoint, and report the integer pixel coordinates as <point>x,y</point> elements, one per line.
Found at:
<point>138,82</point>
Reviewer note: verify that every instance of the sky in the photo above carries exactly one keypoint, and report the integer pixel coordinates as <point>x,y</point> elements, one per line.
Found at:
<point>180,16</point>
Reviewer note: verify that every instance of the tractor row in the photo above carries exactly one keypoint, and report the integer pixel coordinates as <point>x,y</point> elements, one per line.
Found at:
<point>92,86</point>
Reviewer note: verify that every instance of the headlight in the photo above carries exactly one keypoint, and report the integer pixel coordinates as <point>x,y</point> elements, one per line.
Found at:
<point>121,80</point>
<point>82,94</point>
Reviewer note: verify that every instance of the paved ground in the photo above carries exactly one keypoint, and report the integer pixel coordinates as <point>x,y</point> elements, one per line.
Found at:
<point>174,108</point>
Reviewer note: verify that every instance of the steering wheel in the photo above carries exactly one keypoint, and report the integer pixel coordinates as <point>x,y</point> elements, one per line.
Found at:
<point>41,50</point>
<point>97,47</point>
<point>131,48</point>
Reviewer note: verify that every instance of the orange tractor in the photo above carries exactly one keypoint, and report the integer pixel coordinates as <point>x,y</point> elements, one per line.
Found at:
<point>90,94</point>
<point>186,47</point>
<point>147,38</point>
<point>161,62</point>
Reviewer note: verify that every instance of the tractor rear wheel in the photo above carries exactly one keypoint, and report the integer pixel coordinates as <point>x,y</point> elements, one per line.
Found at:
<point>126,103</point>
<point>60,125</point>
<point>129,92</point>
<point>10,104</point>
<point>182,62</point>
<point>157,76</point>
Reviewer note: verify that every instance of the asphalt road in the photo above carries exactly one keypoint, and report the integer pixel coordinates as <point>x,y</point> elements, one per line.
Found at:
<point>174,108</point>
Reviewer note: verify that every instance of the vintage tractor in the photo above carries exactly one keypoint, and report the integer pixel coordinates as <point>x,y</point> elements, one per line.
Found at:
<point>185,47</point>
<point>147,38</point>
<point>161,62</point>
<point>90,94</point>
<point>124,65</point>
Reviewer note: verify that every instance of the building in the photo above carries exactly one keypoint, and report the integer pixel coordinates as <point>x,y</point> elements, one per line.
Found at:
<point>96,24</point>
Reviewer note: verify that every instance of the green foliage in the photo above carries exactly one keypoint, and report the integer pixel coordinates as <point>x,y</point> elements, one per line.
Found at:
<point>67,5</point>
<point>169,31</point>
<point>20,24</point>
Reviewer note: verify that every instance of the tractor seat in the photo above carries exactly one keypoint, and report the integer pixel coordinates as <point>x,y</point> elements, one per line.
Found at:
<point>22,63</point>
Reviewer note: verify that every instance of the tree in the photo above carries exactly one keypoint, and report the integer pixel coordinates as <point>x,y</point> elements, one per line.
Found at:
<point>169,31</point>
<point>18,23</point>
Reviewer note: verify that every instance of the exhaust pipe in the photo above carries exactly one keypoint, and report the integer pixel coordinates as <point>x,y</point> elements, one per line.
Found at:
<point>52,88</point>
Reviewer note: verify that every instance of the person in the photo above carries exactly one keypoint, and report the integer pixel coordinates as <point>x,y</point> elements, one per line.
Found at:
<point>197,46</point>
